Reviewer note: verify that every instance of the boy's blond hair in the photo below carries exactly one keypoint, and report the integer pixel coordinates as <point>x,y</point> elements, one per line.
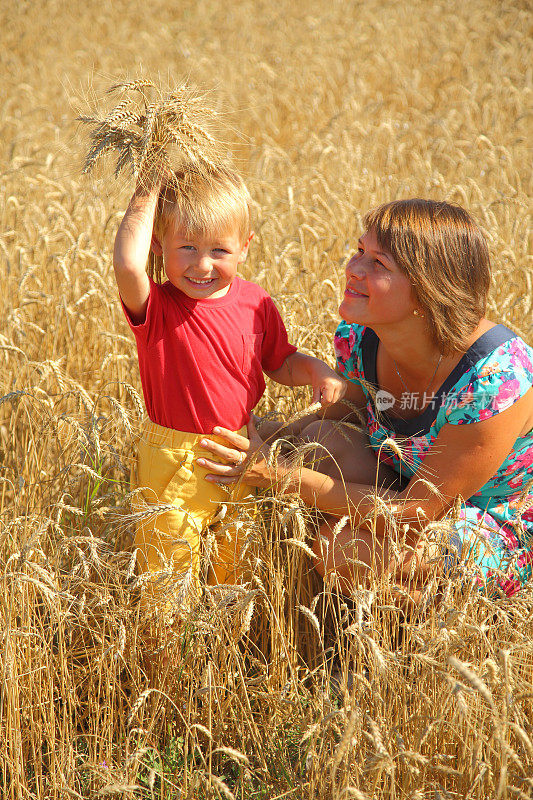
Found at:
<point>444,253</point>
<point>201,202</point>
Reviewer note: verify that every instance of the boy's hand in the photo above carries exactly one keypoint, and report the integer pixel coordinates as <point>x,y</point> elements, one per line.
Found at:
<point>152,178</point>
<point>328,387</point>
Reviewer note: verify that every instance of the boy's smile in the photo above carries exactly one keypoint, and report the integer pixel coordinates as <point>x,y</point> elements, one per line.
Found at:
<point>203,266</point>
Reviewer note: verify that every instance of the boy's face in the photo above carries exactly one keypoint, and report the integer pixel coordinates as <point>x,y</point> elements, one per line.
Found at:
<point>203,266</point>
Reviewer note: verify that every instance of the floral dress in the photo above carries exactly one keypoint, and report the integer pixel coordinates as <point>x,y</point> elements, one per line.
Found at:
<point>495,372</point>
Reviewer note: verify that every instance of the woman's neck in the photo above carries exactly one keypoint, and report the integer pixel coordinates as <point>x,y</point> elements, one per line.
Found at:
<point>410,347</point>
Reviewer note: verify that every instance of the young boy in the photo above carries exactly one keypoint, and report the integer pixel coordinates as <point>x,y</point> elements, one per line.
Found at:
<point>204,339</point>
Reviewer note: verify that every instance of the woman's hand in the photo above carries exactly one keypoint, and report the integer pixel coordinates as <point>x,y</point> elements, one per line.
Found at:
<point>245,459</point>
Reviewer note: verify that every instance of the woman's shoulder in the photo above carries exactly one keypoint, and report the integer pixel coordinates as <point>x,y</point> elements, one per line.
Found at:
<point>496,354</point>
<point>517,353</point>
<point>500,371</point>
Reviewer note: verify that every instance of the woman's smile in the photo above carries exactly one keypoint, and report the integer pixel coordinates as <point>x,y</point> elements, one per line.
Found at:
<point>354,293</point>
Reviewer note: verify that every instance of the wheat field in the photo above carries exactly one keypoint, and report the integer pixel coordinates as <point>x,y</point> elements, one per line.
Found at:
<point>328,108</point>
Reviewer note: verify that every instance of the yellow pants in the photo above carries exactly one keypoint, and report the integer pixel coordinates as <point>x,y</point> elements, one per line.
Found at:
<point>168,537</point>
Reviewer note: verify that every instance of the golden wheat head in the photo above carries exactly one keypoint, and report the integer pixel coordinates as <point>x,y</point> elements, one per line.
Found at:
<point>153,131</point>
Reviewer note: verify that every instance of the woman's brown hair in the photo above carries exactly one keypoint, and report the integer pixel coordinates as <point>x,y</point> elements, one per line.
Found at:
<point>445,255</point>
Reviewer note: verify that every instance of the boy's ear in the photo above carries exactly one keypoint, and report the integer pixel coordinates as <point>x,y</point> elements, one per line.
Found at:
<point>156,245</point>
<point>246,245</point>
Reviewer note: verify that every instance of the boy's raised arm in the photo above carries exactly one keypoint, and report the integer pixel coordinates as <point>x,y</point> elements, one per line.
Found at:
<point>130,254</point>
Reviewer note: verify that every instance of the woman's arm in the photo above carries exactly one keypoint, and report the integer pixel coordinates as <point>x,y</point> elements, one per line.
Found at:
<point>461,460</point>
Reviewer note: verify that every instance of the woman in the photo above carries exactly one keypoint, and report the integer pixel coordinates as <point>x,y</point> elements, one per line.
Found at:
<point>433,375</point>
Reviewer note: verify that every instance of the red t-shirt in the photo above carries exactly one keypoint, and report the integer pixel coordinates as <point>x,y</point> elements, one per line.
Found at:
<point>202,361</point>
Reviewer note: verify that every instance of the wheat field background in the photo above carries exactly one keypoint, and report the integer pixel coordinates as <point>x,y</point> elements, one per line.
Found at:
<point>328,108</point>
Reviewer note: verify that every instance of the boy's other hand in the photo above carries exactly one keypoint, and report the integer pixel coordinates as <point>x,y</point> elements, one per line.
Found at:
<point>328,387</point>
<point>300,369</point>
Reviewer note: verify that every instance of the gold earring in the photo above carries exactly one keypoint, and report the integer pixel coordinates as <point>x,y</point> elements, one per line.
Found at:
<point>417,313</point>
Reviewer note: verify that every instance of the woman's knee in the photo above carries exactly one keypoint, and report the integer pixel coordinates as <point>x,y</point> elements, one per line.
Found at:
<point>317,431</point>
<point>354,555</point>
<point>341,449</point>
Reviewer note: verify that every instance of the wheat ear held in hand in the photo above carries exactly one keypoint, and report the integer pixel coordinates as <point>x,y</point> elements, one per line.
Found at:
<point>153,133</point>
<point>151,130</point>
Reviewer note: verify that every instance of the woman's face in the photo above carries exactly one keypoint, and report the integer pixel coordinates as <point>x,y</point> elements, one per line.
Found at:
<point>377,291</point>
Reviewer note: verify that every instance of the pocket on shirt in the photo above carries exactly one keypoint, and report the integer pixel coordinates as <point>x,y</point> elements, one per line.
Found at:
<point>251,350</point>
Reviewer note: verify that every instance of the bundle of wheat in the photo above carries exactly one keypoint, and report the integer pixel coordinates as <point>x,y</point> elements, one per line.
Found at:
<point>152,130</point>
